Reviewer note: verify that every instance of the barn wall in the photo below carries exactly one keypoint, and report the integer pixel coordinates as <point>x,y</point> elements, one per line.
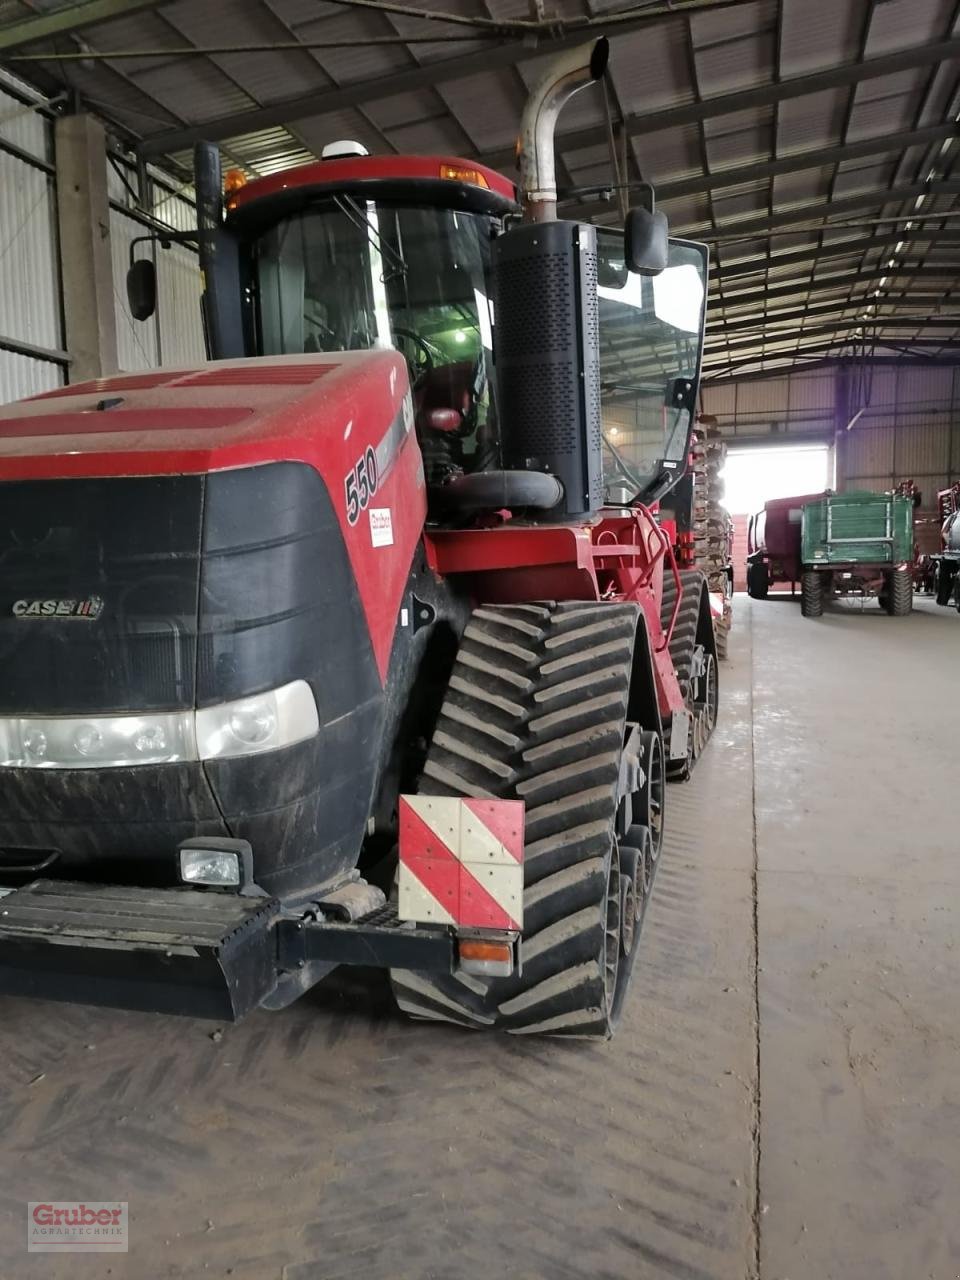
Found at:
<point>32,355</point>
<point>909,428</point>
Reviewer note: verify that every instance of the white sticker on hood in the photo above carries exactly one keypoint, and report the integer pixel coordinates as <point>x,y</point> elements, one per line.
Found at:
<point>381,526</point>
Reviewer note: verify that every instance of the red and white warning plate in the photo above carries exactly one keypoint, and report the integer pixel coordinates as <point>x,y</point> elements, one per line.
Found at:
<point>461,862</point>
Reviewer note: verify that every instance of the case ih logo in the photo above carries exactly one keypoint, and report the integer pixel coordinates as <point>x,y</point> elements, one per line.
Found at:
<point>89,610</point>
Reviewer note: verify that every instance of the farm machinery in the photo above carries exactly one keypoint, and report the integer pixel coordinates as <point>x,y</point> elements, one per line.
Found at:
<point>361,643</point>
<point>700,527</point>
<point>939,570</point>
<point>773,545</point>
<point>858,544</point>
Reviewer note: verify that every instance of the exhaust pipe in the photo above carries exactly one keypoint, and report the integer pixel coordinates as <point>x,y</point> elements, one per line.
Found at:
<point>538,171</point>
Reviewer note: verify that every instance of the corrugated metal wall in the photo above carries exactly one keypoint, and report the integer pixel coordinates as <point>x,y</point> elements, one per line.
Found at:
<point>31,327</point>
<point>909,428</point>
<point>32,358</point>
<point>755,411</point>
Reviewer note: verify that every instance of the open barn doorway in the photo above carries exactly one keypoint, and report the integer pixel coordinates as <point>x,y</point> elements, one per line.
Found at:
<point>752,476</point>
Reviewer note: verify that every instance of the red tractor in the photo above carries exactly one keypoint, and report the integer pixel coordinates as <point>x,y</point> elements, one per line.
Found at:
<point>362,643</point>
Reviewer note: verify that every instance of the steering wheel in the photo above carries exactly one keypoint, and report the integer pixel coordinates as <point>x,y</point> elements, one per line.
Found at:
<point>420,356</point>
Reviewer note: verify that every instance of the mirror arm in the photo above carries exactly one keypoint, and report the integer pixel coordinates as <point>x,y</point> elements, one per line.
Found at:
<point>164,238</point>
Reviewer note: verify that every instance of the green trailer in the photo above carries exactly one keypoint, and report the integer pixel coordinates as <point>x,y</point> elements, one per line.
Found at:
<point>857,544</point>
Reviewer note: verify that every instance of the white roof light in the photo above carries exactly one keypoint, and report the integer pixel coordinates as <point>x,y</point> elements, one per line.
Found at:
<point>341,150</point>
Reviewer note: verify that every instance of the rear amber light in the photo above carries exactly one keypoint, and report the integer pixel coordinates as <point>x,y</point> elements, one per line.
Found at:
<point>473,949</point>
<point>458,173</point>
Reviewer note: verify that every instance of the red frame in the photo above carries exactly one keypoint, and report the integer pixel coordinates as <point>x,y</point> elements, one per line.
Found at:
<point>620,557</point>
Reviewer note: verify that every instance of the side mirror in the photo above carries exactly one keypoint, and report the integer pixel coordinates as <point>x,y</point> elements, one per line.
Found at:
<point>646,238</point>
<point>142,289</point>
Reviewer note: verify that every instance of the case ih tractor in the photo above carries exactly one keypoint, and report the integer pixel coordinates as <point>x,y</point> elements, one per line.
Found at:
<point>361,644</point>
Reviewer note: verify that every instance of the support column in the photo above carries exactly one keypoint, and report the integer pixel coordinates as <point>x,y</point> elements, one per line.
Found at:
<point>83,211</point>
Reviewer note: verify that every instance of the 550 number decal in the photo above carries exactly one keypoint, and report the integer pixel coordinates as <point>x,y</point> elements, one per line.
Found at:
<point>360,485</point>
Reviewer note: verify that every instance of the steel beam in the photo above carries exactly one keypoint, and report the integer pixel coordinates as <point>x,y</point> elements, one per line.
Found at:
<point>837,362</point>
<point>815,159</point>
<point>763,336</point>
<point>428,75</point>
<point>51,354</point>
<point>841,249</point>
<point>851,278</point>
<point>765,95</point>
<point>820,311</point>
<point>744,360</point>
<point>756,228</point>
<point>61,22</point>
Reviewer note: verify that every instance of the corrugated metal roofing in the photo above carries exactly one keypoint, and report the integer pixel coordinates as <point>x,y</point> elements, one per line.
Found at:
<point>770,174</point>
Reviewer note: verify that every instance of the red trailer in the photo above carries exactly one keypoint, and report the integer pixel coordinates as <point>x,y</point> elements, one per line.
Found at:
<point>773,544</point>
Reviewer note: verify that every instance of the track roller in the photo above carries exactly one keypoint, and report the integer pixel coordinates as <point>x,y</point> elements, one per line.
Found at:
<point>537,710</point>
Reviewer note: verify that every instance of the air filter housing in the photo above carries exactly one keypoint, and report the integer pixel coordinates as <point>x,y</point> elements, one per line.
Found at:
<point>548,356</point>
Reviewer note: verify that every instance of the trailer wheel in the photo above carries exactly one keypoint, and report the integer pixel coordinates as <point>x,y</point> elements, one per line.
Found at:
<point>758,580</point>
<point>899,593</point>
<point>942,583</point>
<point>536,709</point>
<point>811,594</point>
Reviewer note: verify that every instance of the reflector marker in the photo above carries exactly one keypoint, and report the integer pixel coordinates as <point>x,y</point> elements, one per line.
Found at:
<point>461,861</point>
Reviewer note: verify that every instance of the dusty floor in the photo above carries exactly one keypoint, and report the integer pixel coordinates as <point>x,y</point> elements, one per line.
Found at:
<point>336,1140</point>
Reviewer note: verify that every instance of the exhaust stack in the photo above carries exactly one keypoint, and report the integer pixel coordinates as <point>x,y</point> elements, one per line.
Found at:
<point>566,76</point>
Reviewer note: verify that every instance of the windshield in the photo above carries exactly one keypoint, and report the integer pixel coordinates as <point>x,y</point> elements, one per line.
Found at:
<point>651,335</point>
<point>350,275</point>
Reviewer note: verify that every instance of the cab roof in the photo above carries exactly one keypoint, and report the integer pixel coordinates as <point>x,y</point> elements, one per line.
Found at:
<point>444,181</point>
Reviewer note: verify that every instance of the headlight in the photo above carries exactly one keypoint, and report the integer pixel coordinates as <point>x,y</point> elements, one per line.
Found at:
<point>96,742</point>
<point>265,722</point>
<point>203,866</point>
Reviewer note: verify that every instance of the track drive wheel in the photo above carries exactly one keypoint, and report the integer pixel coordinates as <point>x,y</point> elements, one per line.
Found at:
<point>811,594</point>
<point>537,709</point>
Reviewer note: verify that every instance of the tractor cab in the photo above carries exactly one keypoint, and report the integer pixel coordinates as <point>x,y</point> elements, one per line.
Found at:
<point>360,252</point>
<point>357,252</point>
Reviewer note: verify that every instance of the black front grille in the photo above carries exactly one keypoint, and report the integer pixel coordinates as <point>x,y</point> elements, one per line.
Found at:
<point>132,546</point>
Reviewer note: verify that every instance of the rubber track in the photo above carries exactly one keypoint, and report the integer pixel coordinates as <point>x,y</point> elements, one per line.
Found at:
<point>536,710</point>
<point>683,641</point>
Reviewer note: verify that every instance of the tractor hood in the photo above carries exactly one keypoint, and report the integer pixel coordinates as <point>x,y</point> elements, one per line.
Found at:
<point>217,416</point>
<point>174,546</point>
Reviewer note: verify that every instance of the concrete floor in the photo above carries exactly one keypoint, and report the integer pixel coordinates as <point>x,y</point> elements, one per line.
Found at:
<point>335,1140</point>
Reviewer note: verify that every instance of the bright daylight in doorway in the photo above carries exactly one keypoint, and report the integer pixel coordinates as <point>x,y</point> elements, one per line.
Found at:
<point>754,476</point>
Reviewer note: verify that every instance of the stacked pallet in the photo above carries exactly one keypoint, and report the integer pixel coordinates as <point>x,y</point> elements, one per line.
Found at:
<point>712,526</point>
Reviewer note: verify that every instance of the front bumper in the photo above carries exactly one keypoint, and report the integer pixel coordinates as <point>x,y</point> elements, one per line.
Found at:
<point>165,950</point>
<point>189,951</point>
